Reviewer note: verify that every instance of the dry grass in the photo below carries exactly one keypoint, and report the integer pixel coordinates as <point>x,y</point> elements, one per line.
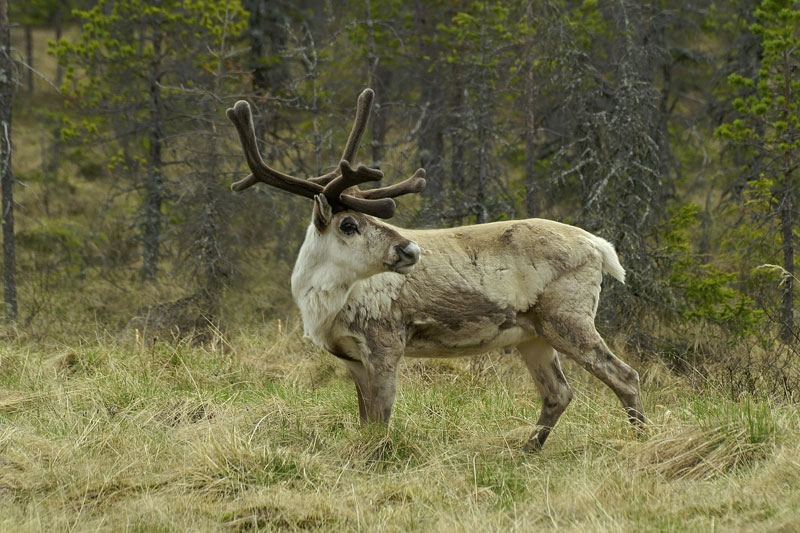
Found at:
<point>261,433</point>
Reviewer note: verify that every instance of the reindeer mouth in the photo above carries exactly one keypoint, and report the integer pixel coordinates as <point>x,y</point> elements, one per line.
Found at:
<point>408,256</point>
<point>403,269</point>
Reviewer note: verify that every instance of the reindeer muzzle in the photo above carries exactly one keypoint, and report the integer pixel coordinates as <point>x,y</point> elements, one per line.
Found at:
<point>407,257</point>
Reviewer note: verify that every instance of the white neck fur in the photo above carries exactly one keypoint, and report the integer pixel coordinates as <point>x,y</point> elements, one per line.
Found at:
<point>320,290</point>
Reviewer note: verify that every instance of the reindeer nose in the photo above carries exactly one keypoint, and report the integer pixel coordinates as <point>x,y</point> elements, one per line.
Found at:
<point>409,254</point>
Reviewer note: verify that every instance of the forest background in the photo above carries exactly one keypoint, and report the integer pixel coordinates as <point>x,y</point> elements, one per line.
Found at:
<point>669,128</point>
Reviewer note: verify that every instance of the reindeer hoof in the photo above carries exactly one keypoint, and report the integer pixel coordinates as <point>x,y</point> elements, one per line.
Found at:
<point>536,441</point>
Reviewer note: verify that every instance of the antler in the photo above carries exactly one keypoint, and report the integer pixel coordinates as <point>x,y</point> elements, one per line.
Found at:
<point>416,183</point>
<point>242,119</point>
<point>340,187</point>
<point>363,109</point>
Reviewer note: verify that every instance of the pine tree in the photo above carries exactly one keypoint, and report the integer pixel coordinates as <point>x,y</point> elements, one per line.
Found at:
<point>119,74</point>
<point>768,128</point>
<point>478,46</point>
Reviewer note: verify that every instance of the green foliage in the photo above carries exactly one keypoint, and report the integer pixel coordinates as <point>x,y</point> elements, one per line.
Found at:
<point>770,119</point>
<point>127,46</point>
<point>387,16</point>
<point>766,132</point>
<point>56,243</point>
<point>756,241</point>
<point>478,50</point>
<point>135,78</point>
<point>481,38</point>
<point>38,12</point>
<point>588,23</point>
<point>706,292</point>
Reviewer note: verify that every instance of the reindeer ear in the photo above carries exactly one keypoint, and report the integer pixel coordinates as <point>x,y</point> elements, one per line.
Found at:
<point>322,212</point>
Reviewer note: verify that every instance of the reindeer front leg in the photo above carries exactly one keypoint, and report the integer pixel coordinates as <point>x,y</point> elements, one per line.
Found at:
<point>381,388</point>
<point>376,386</point>
<point>359,374</point>
<point>375,376</point>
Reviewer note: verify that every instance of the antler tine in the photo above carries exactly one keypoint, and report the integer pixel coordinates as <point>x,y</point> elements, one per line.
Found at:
<point>242,119</point>
<point>326,178</point>
<point>350,178</point>
<point>383,208</point>
<point>416,183</point>
<point>363,109</point>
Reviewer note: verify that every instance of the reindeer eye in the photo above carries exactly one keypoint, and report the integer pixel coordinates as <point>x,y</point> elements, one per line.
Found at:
<point>349,226</point>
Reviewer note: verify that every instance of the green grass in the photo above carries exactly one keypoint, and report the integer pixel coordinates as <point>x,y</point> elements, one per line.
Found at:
<point>262,433</point>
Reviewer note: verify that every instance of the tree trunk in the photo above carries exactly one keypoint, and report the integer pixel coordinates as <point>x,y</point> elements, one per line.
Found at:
<point>483,119</point>
<point>481,194</point>
<point>530,144</point>
<point>6,103</point>
<point>379,81</point>
<point>266,39</point>
<point>457,165</point>
<point>256,39</point>
<point>529,100</point>
<point>212,236</point>
<point>154,186</point>
<point>29,58</point>
<point>787,225</point>
<point>431,133</point>
<point>213,246</point>
<point>209,238</point>
<point>788,333</point>
<point>58,22</point>
<point>431,147</point>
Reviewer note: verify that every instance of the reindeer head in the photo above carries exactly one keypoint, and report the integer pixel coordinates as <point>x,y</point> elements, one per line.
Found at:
<point>358,244</point>
<point>344,232</point>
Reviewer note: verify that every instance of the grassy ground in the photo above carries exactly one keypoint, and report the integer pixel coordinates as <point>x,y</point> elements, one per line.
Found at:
<point>262,433</point>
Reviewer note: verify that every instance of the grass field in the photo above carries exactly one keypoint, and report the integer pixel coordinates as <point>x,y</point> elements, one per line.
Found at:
<point>261,433</point>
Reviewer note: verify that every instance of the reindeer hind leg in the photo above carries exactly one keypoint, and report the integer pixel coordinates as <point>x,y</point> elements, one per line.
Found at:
<point>576,337</point>
<point>543,364</point>
<point>565,318</point>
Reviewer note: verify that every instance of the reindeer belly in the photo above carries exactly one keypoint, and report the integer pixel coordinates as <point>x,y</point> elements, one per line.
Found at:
<point>466,335</point>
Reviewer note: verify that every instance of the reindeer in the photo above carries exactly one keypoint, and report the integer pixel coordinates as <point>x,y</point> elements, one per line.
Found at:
<point>370,293</point>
